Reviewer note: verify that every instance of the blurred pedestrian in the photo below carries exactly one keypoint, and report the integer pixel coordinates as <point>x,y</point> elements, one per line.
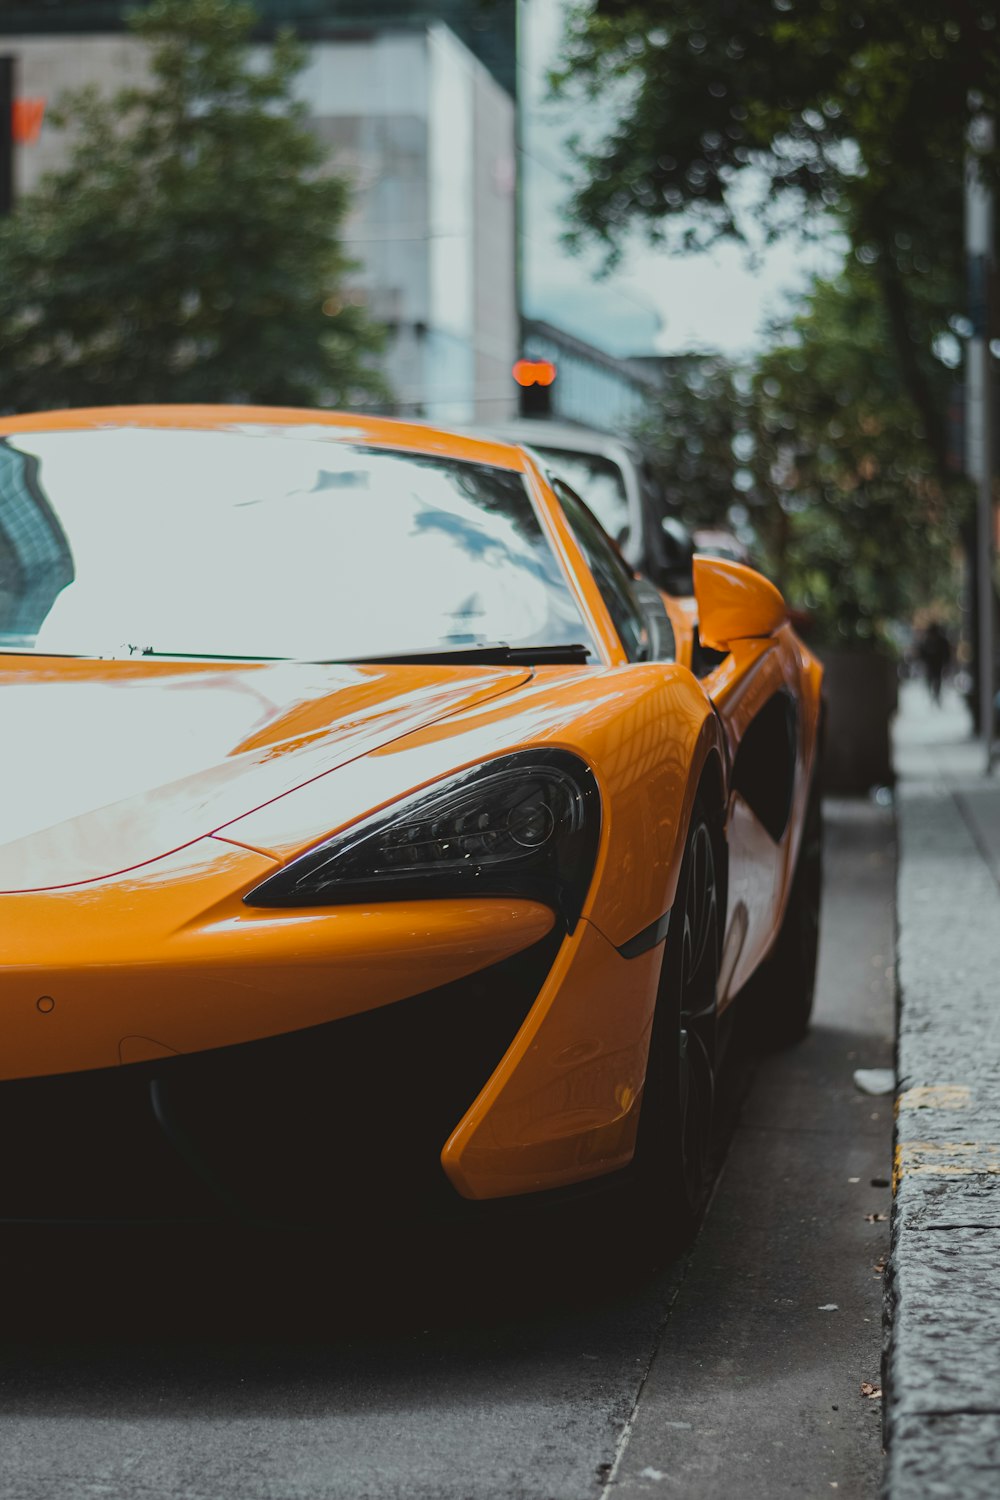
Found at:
<point>935,653</point>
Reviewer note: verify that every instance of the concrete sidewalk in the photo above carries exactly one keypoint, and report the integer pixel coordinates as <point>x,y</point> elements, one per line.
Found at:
<point>942,1368</point>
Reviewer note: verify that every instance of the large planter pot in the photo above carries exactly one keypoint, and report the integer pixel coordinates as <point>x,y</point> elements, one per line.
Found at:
<point>861,693</point>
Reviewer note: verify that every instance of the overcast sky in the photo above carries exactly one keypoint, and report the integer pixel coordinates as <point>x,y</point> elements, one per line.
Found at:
<point>653,302</point>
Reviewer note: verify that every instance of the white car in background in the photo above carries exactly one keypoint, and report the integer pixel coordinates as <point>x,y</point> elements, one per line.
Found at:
<point>611,476</point>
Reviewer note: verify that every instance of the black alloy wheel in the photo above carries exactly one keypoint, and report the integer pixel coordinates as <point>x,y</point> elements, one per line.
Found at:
<point>675,1140</point>
<point>697,992</point>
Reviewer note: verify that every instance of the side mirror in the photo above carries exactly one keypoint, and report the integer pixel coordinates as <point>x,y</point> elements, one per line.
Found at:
<point>734,603</point>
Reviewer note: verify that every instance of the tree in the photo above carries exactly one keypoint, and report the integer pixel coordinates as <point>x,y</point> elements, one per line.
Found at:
<point>188,251</point>
<point>860,107</point>
<point>814,454</point>
<point>841,488</point>
<point>693,435</point>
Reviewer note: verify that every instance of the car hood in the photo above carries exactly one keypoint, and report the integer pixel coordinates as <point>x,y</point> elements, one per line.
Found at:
<point>106,765</point>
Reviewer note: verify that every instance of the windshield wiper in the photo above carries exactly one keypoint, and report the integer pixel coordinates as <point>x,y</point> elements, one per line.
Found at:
<point>198,655</point>
<point>497,653</point>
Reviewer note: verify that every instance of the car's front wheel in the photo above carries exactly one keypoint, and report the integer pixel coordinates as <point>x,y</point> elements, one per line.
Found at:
<point>673,1158</point>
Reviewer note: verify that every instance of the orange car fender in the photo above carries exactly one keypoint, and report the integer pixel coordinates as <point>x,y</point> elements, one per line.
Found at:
<point>564,1101</point>
<point>649,778</point>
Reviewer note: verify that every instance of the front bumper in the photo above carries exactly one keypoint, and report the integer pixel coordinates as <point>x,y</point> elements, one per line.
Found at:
<point>334,1050</point>
<point>304,1128</point>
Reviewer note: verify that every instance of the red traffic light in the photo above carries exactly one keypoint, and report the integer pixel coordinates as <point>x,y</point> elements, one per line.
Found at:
<point>534,372</point>
<point>26,120</point>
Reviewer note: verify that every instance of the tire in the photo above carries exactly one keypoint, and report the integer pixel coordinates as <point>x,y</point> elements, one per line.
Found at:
<point>674,1151</point>
<point>785,984</point>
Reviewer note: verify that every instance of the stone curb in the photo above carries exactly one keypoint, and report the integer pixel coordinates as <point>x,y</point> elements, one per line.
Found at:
<point>942,1360</point>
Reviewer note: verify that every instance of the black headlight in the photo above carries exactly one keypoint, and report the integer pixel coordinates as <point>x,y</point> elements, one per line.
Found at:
<point>524,825</point>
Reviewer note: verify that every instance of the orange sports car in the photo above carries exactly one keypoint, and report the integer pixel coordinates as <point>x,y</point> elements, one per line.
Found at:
<point>368,828</point>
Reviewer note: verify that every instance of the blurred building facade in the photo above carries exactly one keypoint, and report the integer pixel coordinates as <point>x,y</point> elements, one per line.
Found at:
<point>425,133</point>
<point>487,27</point>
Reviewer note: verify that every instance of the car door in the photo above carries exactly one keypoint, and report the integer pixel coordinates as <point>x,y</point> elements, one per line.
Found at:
<point>752,692</point>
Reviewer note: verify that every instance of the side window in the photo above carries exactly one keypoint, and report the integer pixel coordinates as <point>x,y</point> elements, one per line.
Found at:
<point>610,573</point>
<point>662,642</point>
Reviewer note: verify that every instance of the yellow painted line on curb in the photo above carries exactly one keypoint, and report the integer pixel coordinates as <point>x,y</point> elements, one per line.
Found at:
<point>945,1159</point>
<point>935,1096</point>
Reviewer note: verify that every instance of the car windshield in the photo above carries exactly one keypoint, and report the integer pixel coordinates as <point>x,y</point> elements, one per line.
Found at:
<point>267,542</point>
<point>601,484</point>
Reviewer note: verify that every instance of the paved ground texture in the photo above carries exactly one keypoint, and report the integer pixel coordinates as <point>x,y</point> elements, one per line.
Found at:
<point>943,1366</point>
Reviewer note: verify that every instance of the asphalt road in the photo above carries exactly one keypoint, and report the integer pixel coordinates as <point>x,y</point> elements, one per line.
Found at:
<point>473,1366</point>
